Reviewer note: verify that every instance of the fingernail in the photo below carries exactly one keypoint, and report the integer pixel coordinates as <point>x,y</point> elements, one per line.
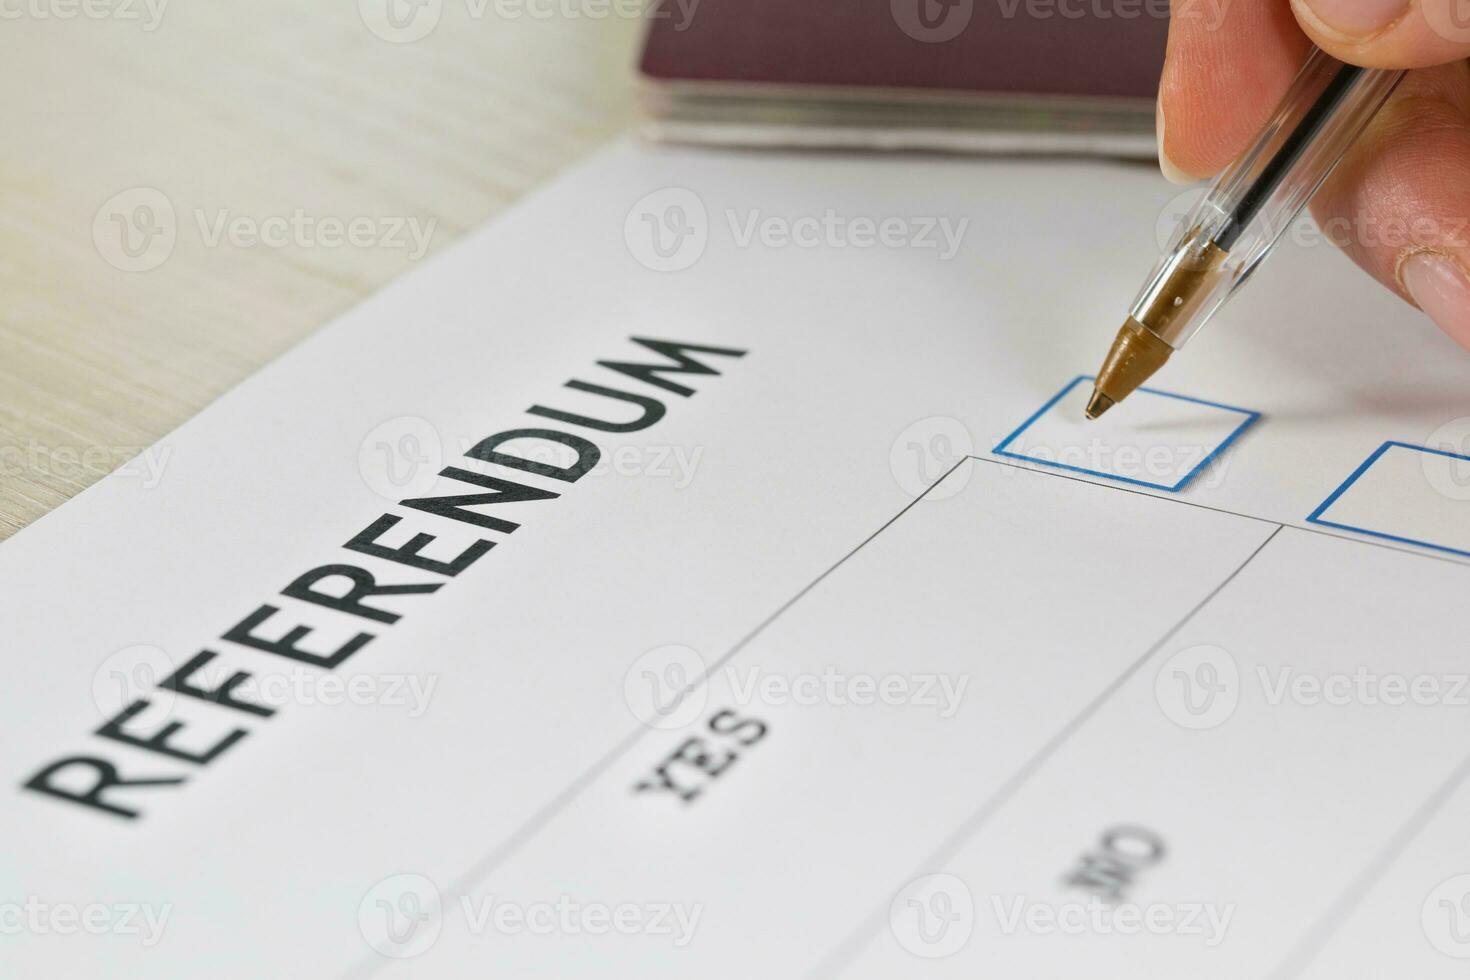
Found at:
<point>1166,166</point>
<point>1438,284</point>
<point>1350,20</point>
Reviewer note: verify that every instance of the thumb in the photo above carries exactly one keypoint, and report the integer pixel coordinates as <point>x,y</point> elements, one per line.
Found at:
<point>1388,33</point>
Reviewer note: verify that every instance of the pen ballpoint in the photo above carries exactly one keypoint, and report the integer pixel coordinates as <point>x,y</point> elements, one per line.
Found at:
<point>1225,236</point>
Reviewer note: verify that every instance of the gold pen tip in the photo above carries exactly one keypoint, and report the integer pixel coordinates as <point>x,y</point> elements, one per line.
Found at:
<point>1098,404</point>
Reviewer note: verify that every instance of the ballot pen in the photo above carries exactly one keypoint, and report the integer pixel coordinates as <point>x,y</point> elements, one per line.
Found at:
<point>1227,234</point>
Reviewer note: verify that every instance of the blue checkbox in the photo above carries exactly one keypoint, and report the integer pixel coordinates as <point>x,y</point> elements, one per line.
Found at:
<point>1157,439</point>
<point>1410,494</point>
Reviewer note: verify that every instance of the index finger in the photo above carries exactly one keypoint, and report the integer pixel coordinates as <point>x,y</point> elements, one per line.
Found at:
<point>1228,64</point>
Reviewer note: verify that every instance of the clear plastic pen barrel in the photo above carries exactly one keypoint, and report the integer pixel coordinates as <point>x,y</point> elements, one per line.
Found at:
<point>1255,201</point>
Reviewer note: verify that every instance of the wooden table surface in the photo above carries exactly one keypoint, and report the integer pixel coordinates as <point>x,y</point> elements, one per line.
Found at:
<point>191,186</point>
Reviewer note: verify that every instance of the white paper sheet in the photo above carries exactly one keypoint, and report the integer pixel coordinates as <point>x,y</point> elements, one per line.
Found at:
<point>855,652</point>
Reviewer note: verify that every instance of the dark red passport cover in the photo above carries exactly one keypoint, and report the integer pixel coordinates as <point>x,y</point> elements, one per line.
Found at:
<point>1070,48</point>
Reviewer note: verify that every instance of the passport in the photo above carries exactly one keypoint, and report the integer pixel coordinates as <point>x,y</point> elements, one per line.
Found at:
<point>1071,76</point>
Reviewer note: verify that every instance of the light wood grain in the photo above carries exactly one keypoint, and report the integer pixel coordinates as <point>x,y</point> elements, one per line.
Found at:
<point>258,109</point>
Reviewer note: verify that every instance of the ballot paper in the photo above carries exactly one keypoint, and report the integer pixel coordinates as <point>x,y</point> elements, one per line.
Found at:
<point>705,571</point>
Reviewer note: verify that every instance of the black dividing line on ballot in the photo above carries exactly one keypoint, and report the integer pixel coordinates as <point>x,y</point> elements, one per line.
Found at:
<point>1301,955</point>
<point>1017,463</point>
<point>873,923</point>
<point>370,965</point>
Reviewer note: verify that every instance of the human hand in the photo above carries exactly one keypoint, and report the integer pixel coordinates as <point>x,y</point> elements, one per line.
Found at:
<point>1399,203</point>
